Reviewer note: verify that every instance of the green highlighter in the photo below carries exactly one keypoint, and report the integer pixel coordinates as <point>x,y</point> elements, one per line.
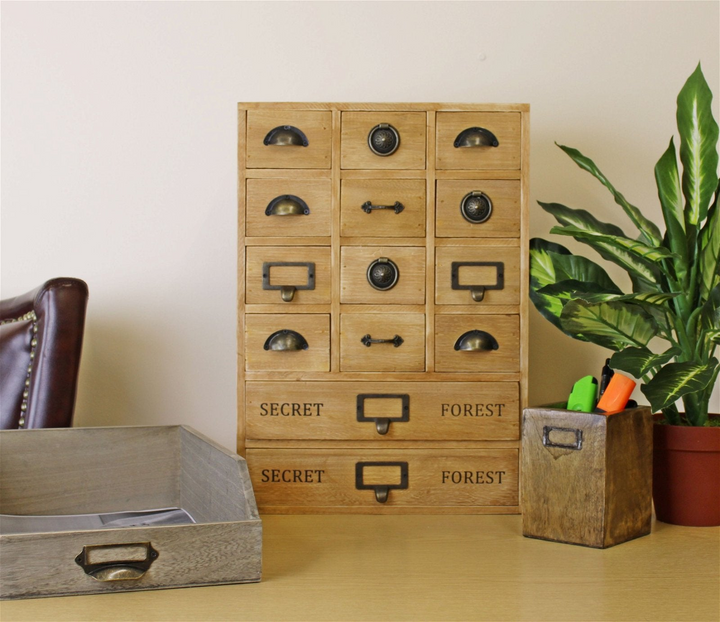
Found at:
<point>583,396</point>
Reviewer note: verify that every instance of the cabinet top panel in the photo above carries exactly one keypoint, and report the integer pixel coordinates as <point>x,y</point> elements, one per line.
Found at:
<point>384,106</point>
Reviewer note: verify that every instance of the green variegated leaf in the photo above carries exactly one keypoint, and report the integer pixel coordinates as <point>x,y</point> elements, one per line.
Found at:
<point>640,361</point>
<point>676,380</point>
<point>641,251</point>
<point>667,178</point>
<point>580,218</point>
<point>572,288</point>
<point>653,299</point>
<point>551,263</point>
<point>698,146</point>
<point>713,335</point>
<point>614,325</point>
<point>710,311</point>
<point>709,253</point>
<point>651,234</point>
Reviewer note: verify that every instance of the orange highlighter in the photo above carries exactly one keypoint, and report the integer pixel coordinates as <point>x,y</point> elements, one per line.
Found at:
<point>616,395</point>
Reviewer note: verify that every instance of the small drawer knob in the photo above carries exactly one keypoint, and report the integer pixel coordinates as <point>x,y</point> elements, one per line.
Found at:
<point>476,207</point>
<point>383,274</point>
<point>383,140</point>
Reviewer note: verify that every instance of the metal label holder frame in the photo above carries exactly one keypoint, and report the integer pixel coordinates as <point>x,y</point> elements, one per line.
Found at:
<point>288,291</point>
<point>477,291</point>
<point>382,424</point>
<point>381,490</point>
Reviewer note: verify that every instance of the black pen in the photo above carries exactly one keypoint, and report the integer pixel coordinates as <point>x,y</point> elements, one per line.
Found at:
<point>605,376</point>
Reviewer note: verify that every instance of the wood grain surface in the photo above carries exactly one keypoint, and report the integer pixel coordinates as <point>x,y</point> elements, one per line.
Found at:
<point>461,411</point>
<point>430,568</point>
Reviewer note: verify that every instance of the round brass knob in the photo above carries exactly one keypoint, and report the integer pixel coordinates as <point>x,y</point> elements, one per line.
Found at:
<point>383,139</point>
<point>383,274</point>
<point>476,207</point>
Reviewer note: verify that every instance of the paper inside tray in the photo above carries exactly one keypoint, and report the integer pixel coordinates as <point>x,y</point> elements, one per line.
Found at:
<point>11,524</point>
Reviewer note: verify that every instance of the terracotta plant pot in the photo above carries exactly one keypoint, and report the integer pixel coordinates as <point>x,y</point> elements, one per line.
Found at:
<point>686,474</point>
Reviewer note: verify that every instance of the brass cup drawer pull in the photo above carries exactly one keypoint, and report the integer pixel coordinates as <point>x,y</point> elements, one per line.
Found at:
<point>287,205</point>
<point>397,341</point>
<point>383,139</point>
<point>478,291</point>
<point>286,136</point>
<point>287,292</point>
<point>368,207</point>
<point>476,341</point>
<point>382,424</point>
<point>381,490</point>
<point>126,567</point>
<point>285,340</point>
<point>476,137</point>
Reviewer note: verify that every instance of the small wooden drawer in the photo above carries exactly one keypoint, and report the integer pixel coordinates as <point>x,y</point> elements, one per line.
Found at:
<point>401,346</point>
<point>407,264</point>
<point>302,139</point>
<point>477,209</point>
<point>479,131</point>
<point>287,342</point>
<point>334,480</point>
<point>288,207</point>
<point>464,343</point>
<point>405,130</point>
<point>382,411</point>
<point>478,275</point>
<point>288,275</point>
<point>382,208</point>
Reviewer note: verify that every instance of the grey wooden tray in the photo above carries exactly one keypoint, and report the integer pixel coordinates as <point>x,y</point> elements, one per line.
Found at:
<point>104,470</point>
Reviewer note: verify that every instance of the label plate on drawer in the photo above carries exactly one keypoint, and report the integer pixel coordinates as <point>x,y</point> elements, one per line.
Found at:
<point>448,411</point>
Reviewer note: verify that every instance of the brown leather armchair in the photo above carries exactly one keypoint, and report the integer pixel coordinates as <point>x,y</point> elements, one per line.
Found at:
<point>41,336</point>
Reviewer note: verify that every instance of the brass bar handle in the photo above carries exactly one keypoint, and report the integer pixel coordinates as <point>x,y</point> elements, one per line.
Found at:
<point>397,341</point>
<point>285,340</point>
<point>119,569</point>
<point>287,205</point>
<point>476,137</point>
<point>476,341</point>
<point>368,207</point>
<point>577,445</point>
<point>381,490</point>
<point>286,136</point>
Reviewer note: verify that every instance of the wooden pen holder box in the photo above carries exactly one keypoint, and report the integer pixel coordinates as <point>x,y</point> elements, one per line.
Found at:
<point>586,478</point>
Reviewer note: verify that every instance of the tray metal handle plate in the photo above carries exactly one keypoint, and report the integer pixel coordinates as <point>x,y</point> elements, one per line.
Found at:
<point>120,569</point>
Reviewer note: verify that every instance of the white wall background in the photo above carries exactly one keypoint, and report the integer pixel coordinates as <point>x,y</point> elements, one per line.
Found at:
<point>119,152</point>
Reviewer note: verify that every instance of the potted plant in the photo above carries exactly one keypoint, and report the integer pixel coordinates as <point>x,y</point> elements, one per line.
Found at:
<point>675,296</point>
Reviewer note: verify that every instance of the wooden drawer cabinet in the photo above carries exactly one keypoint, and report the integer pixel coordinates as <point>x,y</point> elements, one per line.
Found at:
<point>382,305</point>
<point>382,208</point>
<point>383,412</point>
<point>360,479</point>
<point>292,208</point>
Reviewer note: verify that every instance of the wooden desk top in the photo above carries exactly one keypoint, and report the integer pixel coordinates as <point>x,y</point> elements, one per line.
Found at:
<point>432,568</point>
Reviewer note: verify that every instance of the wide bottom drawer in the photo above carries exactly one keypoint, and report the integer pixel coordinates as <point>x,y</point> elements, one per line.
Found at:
<point>297,480</point>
